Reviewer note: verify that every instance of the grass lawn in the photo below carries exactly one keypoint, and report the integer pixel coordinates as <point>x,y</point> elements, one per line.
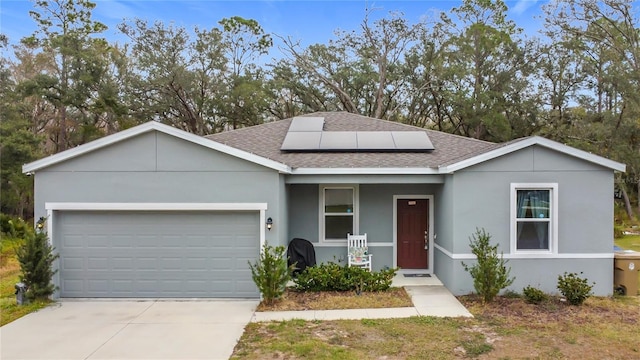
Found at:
<point>629,242</point>
<point>9,276</point>
<point>507,329</point>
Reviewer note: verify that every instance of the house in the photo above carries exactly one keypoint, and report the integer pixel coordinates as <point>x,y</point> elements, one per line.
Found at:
<point>153,211</point>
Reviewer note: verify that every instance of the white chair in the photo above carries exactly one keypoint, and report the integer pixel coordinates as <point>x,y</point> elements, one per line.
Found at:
<point>358,251</point>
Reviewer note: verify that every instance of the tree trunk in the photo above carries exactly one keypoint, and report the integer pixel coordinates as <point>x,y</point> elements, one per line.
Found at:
<point>627,204</point>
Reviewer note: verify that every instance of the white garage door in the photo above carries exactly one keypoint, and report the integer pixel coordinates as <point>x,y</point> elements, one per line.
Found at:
<point>156,254</point>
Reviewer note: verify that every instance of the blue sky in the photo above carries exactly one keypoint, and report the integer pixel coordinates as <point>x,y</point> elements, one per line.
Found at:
<point>310,21</point>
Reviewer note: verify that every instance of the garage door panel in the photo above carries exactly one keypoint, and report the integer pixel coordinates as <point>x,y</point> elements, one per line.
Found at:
<point>156,254</point>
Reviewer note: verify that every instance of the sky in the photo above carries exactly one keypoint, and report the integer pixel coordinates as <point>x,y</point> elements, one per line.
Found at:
<point>309,21</point>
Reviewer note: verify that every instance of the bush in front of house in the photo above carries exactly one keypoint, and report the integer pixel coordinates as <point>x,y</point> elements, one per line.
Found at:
<point>334,277</point>
<point>534,295</point>
<point>271,273</point>
<point>574,288</point>
<point>36,259</point>
<point>489,273</point>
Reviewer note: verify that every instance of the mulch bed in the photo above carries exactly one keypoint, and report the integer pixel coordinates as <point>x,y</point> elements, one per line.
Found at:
<point>331,300</point>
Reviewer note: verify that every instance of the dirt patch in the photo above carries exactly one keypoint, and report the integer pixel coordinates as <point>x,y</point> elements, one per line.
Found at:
<point>330,300</point>
<point>555,329</point>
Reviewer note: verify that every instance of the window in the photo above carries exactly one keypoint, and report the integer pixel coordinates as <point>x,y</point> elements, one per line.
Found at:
<point>534,214</point>
<point>338,213</point>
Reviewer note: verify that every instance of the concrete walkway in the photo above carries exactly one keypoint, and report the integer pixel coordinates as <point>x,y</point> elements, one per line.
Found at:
<point>429,297</point>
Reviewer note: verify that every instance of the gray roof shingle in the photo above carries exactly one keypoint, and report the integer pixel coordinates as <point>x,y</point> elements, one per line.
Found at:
<point>265,140</point>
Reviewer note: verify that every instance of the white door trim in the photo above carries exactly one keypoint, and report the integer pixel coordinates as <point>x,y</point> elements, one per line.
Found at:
<point>430,220</point>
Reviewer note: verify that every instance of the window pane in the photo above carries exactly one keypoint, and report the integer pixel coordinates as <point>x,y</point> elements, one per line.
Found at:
<point>533,204</point>
<point>338,200</point>
<point>533,235</point>
<point>337,227</point>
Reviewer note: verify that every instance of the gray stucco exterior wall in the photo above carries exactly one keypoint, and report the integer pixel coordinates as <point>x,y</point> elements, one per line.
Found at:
<point>481,199</point>
<point>158,168</point>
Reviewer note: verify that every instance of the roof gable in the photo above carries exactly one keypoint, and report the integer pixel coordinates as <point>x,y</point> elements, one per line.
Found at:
<point>523,143</point>
<point>145,128</point>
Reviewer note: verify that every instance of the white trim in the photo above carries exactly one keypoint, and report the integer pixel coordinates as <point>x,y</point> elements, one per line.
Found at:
<point>530,256</point>
<point>262,225</point>
<point>530,141</point>
<point>341,244</point>
<point>447,252</point>
<point>147,127</point>
<point>365,171</point>
<point>321,213</point>
<point>553,218</point>
<point>430,220</point>
<point>156,206</point>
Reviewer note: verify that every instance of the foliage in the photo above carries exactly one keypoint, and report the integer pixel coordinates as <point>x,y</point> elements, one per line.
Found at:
<point>534,295</point>
<point>13,227</point>
<point>36,259</point>
<point>574,288</point>
<point>334,277</point>
<point>489,273</point>
<point>9,276</point>
<point>271,273</point>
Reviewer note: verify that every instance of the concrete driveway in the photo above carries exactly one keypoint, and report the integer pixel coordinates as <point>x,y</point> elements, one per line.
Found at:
<point>149,329</point>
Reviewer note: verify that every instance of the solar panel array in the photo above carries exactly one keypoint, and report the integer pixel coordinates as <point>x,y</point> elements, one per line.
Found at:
<point>306,134</point>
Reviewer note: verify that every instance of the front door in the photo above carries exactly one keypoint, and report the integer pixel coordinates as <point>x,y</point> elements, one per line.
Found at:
<point>413,239</point>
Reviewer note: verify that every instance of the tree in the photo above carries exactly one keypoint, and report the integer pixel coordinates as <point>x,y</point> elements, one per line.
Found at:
<point>486,72</point>
<point>610,101</point>
<point>64,32</point>
<point>245,100</point>
<point>359,72</point>
<point>18,145</point>
<point>36,259</point>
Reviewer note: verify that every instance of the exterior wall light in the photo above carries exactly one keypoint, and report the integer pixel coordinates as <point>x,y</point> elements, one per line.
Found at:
<point>40,223</point>
<point>269,224</point>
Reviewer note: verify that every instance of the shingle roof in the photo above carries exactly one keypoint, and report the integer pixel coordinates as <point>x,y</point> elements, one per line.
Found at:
<point>265,140</point>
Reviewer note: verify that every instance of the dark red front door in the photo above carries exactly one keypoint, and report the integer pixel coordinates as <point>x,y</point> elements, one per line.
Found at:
<point>412,215</point>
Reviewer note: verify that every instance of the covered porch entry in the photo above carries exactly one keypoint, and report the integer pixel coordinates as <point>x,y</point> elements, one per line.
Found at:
<point>400,219</point>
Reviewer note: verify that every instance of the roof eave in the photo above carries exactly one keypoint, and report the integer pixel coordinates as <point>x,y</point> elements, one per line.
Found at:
<point>366,171</point>
<point>147,127</point>
<point>530,141</point>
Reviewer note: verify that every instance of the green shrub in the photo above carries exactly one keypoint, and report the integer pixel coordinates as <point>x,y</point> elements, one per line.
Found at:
<point>270,273</point>
<point>534,295</point>
<point>14,227</point>
<point>618,231</point>
<point>574,288</point>
<point>36,259</point>
<point>489,273</point>
<point>334,277</point>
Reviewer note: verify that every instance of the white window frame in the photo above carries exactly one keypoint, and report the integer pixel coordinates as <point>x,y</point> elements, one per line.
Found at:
<point>322,214</point>
<point>553,218</point>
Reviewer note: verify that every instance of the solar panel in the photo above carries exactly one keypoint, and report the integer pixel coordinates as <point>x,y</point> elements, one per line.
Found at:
<point>375,140</point>
<point>338,140</point>
<point>302,123</point>
<point>303,140</point>
<point>306,134</point>
<point>412,140</point>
